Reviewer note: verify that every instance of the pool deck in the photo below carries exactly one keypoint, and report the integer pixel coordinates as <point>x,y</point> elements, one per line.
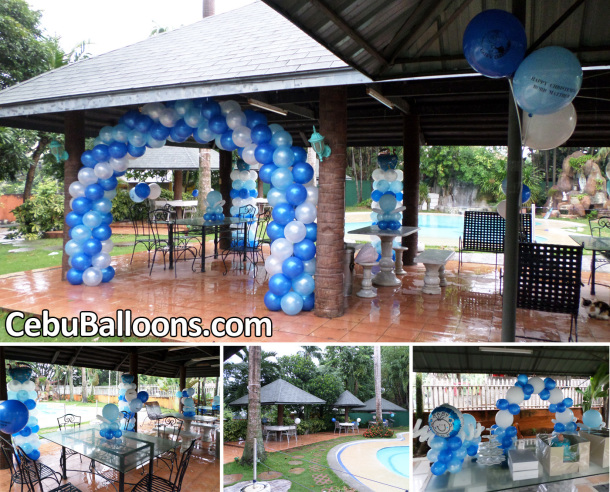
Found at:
<point>358,457</point>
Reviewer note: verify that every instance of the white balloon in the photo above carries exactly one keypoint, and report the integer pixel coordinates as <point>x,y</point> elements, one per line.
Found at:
<point>131,394</point>
<point>282,248</point>
<point>107,246</point>
<point>86,176</point>
<point>537,383</point>
<point>76,189</point>
<point>92,276</point>
<point>504,418</point>
<point>390,175</point>
<point>399,175</point>
<point>253,175</point>
<point>515,395</point>
<point>235,174</point>
<point>168,117</point>
<point>244,175</point>
<point>236,119</point>
<point>29,385</point>
<point>312,194</point>
<point>119,165</point>
<point>547,131</point>
<point>153,110</point>
<point>248,154</point>
<point>273,265</point>
<point>306,212</point>
<point>565,417</point>
<point>295,231</point>
<point>227,106</point>
<point>100,260</point>
<point>556,396</point>
<point>103,170</point>
<point>501,208</point>
<point>155,191</point>
<point>377,174</point>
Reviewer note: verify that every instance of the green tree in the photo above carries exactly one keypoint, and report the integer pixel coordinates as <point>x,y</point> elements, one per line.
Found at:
<point>354,366</point>
<point>395,374</point>
<point>296,369</point>
<point>312,352</point>
<point>236,373</point>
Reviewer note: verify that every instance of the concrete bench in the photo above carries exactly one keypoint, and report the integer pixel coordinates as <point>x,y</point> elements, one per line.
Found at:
<point>434,260</point>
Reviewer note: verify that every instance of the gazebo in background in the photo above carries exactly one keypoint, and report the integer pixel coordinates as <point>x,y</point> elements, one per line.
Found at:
<point>347,400</point>
<point>281,393</point>
<point>387,407</point>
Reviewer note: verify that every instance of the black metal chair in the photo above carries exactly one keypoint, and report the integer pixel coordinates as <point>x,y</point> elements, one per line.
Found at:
<point>31,471</point>
<point>162,244</point>
<point>138,215</point>
<point>252,250</point>
<point>601,257</point>
<point>26,472</point>
<point>158,484</point>
<point>169,428</point>
<point>550,280</point>
<point>69,421</point>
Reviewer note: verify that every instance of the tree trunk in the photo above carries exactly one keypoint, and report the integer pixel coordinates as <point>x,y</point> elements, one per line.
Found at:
<point>205,177</point>
<point>84,384</point>
<point>43,141</point>
<point>355,173</point>
<point>546,170</point>
<point>216,387</point>
<point>71,382</point>
<point>377,369</point>
<point>255,429</point>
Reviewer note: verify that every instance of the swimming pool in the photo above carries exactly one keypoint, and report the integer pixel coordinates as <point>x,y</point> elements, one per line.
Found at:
<point>395,459</point>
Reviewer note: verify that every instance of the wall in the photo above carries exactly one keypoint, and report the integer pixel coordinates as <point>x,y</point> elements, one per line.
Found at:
<point>8,203</point>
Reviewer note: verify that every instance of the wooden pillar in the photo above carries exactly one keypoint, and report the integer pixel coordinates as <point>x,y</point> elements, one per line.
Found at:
<point>331,204</point>
<point>133,370</point>
<point>3,396</point>
<point>280,415</point>
<point>225,165</point>
<point>182,383</point>
<point>74,131</point>
<point>411,131</point>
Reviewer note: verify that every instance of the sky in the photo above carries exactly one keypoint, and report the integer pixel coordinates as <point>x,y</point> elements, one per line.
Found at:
<point>281,349</point>
<point>112,24</point>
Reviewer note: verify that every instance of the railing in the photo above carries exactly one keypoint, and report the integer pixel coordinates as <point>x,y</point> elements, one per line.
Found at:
<point>467,396</point>
<point>154,391</point>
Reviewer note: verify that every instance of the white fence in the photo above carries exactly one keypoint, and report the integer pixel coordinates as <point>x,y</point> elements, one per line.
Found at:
<point>466,396</point>
<point>153,391</point>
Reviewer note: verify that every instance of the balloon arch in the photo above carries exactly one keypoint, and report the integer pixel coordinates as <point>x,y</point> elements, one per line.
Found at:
<point>293,194</point>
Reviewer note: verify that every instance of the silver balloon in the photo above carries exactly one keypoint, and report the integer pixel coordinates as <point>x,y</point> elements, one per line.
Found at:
<point>107,246</point>
<point>312,194</point>
<point>86,176</point>
<point>100,260</point>
<point>306,212</point>
<point>282,248</point>
<point>273,265</point>
<point>76,189</point>
<point>119,165</point>
<point>110,194</point>
<point>227,106</point>
<point>92,276</point>
<point>235,119</point>
<point>169,117</point>
<point>103,170</point>
<point>242,136</point>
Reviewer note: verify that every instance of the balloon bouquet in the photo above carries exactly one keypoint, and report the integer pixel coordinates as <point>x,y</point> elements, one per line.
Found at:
<point>543,84</point>
<point>142,191</point>
<point>188,404</point>
<point>18,412</point>
<point>387,193</point>
<point>130,400</point>
<point>451,436</point>
<point>110,428</point>
<point>213,210</point>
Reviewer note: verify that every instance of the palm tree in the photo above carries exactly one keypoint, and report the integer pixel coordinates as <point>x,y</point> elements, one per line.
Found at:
<point>377,369</point>
<point>255,428</point>
<point>311,352</point>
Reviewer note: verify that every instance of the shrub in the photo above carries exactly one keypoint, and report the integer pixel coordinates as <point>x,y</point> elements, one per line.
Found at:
<point>377,431</point>
<point>43,212</point>
<point>123,206</point>
<point>307,426</point>
<point>234,430</point>
<point>365,203</point>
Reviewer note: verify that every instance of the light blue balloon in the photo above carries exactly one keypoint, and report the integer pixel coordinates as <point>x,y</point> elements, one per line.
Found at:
<point>135,198</point>
<point>110,412</point>
<point>22,395</point>
<point>303,284</point>
<point>250,184</point>
<point>120,133</point>
<point>11,395</point>
<point>213,197</point>
<point>238,184</point>
<point>383,185</point>
<point>387,203</point>
<point>281,138</point>
<point>80,233</point>
<point>154,143</point>
<point>92,219</point>
<point>33,395</point>
<point>396,186</point>
<point>283,156</point>
<point>275,196</point>
<point>32,421</point>
<point>27,447</point>
<point>72,248</point>
<point>547,80</point>
<point>281,178</point>
<point>103,206</point>
<point>291,303</point>
<point>433,455</point>
<point>136,138</point>
<point>592,419</point>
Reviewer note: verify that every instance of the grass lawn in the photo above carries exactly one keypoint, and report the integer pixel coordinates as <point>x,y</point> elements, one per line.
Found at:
<point>312,460</point>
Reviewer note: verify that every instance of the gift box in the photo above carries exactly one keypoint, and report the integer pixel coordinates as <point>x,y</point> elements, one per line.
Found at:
<point>600,446</point>
<point>561,455</point>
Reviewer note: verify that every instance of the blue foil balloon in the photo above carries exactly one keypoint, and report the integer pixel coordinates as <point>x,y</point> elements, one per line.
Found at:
<point>265,172</point>
<point>108,274</point>
<point>494,43</point>
<point>275,230</point>
<point>74,277</point>
<point>302,172</point>
<point>292,303</point>
<point>280,284</point>
<point>264,153</point>
<point>272,301</point>
<point>283,213</point>
<point>445,421</point>
<point>305,250</point>
<point>309,302</point>
<point>261,134</point>
<point>87,159</point>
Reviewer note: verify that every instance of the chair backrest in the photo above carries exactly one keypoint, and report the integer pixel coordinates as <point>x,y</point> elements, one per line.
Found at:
<point>158,222</point>
<point>68,421</point>
<point>263,222</point>
<point>153,409</point>
<point>184,463</point>
<point>138,214</point>
<point>28,470</point>
<point>485,231</point>
<point>170,427</point>
<point>549,277</point>
<point>247,211</point>
<point>337,424</point>
<point>216,400</point>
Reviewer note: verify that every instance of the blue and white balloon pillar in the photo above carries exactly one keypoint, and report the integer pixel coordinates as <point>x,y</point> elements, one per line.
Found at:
<point>451,436</point>
<point>110,427</point>
<point>20,418</point>
<point>243,194</point>
<point>130,400</point>
<point>188,404</point>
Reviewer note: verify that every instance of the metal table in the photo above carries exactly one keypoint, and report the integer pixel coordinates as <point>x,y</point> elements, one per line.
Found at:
<point>133,449</point>
<point>386,277</point>
<point>593,244</point>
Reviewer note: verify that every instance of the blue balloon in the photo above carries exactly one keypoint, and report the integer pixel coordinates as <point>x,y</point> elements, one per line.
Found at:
<point>92,246</point>
<point>438,468</point>
<point>561,407</point>
<point>454,443</point>
<point>102,232</point>
<point>511,431</point>
<point>244,193</point>
<point>264,153</point>
<point>309,302</point>
<point>292,267</point>
<point>195,193</point>
<point>514,409</point>
<point>107,218</point>
<point>571,427</point>
<point>292,303</point>
<point>296,194</point>
<point>519,384</point>
<point>26,431</point>
<point>552,408</point>
<point>261,134</point>
<point>181,129</point>
<point>333,419</point>
<point>13,416</point>
<point>472,450</point>
<point>254,118</point>
<point>226,140</point>
<point>376,195</point>
<point>283,213</point>
<point>100,153</point>
<point>94,192</point>
<point>303,284</point>
<point>143,122</point>
<point>74,277</point>
<point>81,204</point>
<point>129,118</point>
<point>210,108</point>
<point>312,231</point>
<point>107,184</point>
<point>528,389</point>
<point>81,261</point>
<point>302,172</point>
<point>494,43</point>
<point>502,404</point>
<point>559,427</point>
<point>30,404</point>
<point>265,172</point>
<point>107,274</point>
<point>142,190</point>
<point>547,80</point>
<point>568,402</point>
<point>87,159</point>
<point>549,383</point>
<point>525,193</point>
<point>34,455</point>
<point>280,284</point>
<point>305,250</point>
<point>545,394</point>
<point>507,442</point>
<point>176,137</point>
<point>300,154</point>
<point>592,418</point>
<point>73,219</point>
<point>253,193</point>
<point>275,230</point>
<point>445,455</point>
<point>35,428</point>
<point>143,396</point>
<point>136,151</point>
<point>234,193</point>
<point>522,378</point>
<point>158,132</point>
<point>218,124</point>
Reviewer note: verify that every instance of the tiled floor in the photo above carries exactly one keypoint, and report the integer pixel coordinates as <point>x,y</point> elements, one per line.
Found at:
<point>468,310</point>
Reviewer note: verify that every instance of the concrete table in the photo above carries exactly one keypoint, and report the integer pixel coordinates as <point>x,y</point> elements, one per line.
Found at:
<point>386,277</point>
<point>434,260</point>
<point>207,424</point>
<point>347,426</point>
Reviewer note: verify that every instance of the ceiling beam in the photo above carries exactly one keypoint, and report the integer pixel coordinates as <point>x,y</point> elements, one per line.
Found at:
<point>562,18</point>
<point>75,356</point>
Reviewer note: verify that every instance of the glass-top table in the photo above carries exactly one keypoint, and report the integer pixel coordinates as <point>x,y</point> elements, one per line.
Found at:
<point>480,478</point>
<point>593,244</point>
<point>133,449</point>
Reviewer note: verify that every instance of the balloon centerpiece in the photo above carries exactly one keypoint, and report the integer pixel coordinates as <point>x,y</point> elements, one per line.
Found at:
<point>214,203</point>
<point>188,404</point>
<point>387,193</point>
<point>18,414</point>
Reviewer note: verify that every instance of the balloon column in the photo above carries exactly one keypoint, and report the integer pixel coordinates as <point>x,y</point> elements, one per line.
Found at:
<point>18,412</point>
<point>243,193</point>
<point>213,210</point>
<point>188,404</point>
<point>451,436</point>
<point>387,193</point>
<point>130,400</point>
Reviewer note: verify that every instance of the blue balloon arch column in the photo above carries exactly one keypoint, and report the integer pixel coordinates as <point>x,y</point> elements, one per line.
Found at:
<point>293,194</point>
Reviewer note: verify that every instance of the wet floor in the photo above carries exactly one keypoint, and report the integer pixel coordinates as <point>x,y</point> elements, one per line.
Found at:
<point>468,310</point>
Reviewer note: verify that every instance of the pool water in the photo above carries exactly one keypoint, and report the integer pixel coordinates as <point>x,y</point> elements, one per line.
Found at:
<point>395,459</point>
